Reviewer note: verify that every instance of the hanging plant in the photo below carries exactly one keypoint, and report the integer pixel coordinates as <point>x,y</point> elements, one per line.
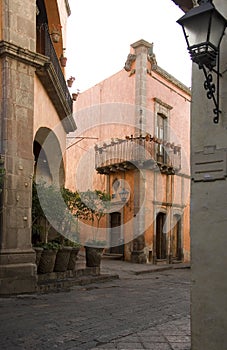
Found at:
<point>56,33</point>
<point>70,81</point>
<point>63,59</point>
<point>75,95</point>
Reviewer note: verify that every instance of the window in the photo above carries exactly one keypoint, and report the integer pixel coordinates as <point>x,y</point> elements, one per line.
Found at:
<point>161,132</point>
<point>161,127</point>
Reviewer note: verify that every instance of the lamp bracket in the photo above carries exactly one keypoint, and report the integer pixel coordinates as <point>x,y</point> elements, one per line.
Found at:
<point>212,92</point>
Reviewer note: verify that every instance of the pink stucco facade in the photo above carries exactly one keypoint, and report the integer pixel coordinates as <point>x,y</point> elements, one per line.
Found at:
<point>139,109</point>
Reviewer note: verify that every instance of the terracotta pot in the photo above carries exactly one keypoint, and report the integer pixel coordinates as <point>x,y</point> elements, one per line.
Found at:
<point>63,61</point>
<point>70,82</point>
<point>62,259</point>
<point>74,96</point>
<point>55,37</point>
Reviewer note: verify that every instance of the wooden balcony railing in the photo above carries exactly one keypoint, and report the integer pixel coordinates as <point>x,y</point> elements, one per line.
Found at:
<point>138,152</point>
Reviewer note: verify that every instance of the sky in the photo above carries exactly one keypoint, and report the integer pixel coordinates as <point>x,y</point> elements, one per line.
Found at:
<point>100,33</point>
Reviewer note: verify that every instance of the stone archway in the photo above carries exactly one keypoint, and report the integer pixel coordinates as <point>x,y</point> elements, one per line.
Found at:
<point>49,165</point>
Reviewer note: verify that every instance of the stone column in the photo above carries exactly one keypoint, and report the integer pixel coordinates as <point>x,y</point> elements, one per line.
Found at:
<point>208,211</point>
<point>17,57</point>
<point>141,48</point>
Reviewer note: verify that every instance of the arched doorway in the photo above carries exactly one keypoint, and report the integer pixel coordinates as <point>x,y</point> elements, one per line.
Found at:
<point>116,241</point>
<point>161,245</point>
<point>176,238</point>
<point>48,157</point>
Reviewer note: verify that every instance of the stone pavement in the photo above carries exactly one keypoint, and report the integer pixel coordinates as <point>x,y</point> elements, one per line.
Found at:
<point>171,335</point>
<point>146,308</point>
<point>126,269</point>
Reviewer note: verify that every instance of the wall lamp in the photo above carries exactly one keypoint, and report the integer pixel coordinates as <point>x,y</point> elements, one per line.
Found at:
<point>203,28</point>
<point>124,195</point>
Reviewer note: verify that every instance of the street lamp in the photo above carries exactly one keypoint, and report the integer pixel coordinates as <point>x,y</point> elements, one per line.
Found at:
<point>203,28</point>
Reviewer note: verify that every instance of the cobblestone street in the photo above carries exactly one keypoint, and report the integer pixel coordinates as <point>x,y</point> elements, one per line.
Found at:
<point>137,311</point>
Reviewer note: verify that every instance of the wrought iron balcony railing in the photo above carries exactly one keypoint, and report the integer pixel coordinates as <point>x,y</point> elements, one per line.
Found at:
<point>138,152</point>
<point>53,79</point>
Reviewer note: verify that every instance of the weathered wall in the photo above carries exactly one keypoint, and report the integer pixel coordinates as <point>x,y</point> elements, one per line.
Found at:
<point>208,215</point>
<point>17,259</point>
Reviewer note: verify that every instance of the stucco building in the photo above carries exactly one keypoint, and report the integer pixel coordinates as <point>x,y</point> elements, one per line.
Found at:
<point>132,141</point>
<point>35,104</point>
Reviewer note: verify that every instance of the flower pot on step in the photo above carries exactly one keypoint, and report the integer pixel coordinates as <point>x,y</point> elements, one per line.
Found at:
<point>93,256</point>
<point>62,259</point>
<point>73,258</point>
<point>47,261</point>
<point>38,253</point>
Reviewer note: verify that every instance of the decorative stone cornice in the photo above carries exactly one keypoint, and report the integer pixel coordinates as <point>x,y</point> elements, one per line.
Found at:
<point>151,57</point>
<point>171,79</point>
<point>23,55</point>
<point>128,64</point>
<point>49,78</point>
<point>164,104</point>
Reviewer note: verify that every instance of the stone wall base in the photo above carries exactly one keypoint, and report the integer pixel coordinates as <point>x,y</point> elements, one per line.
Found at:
<point>18,278</point>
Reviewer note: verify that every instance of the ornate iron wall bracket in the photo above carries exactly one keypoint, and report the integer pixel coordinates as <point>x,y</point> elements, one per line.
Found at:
<point>212,90</point>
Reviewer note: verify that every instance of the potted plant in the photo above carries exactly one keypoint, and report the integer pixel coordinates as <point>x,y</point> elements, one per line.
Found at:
<point>70,81</point>
<point>48,257</point>
<point>63,59</point>
<point>94,208</point>
<point>94,251</point>
<point>56,33</point>
<point>75,95</point>
<point>75,248</point>
<point>51,214</point>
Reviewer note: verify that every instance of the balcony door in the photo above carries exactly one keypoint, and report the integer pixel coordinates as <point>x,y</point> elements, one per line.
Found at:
<point>117,246</point>
<point>176,238</point>
<point>161,246</point>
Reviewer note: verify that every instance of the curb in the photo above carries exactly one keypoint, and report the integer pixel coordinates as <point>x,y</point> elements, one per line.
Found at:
<point>51,286</point>
<point>162,268</point>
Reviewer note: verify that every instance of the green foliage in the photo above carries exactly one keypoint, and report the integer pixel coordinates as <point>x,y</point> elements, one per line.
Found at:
<point>49,245</point>
<point>62,209</point>
<point>96,243</point>
<point>52,207</point>
<point>95,205</point>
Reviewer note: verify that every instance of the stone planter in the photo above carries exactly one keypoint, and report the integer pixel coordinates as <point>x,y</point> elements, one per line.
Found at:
<point>62,259</point>
<point>47,261</point>
<point>93,256</point>
<point>38,252</point>
<point>73,258</point>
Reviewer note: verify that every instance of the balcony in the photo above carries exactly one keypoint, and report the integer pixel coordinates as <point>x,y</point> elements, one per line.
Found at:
<point>138,152</point>
<point>53,80</point>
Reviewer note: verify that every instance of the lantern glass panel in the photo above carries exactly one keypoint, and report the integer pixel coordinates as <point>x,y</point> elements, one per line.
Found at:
<point>196,29</point>
<point>218,25</point>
